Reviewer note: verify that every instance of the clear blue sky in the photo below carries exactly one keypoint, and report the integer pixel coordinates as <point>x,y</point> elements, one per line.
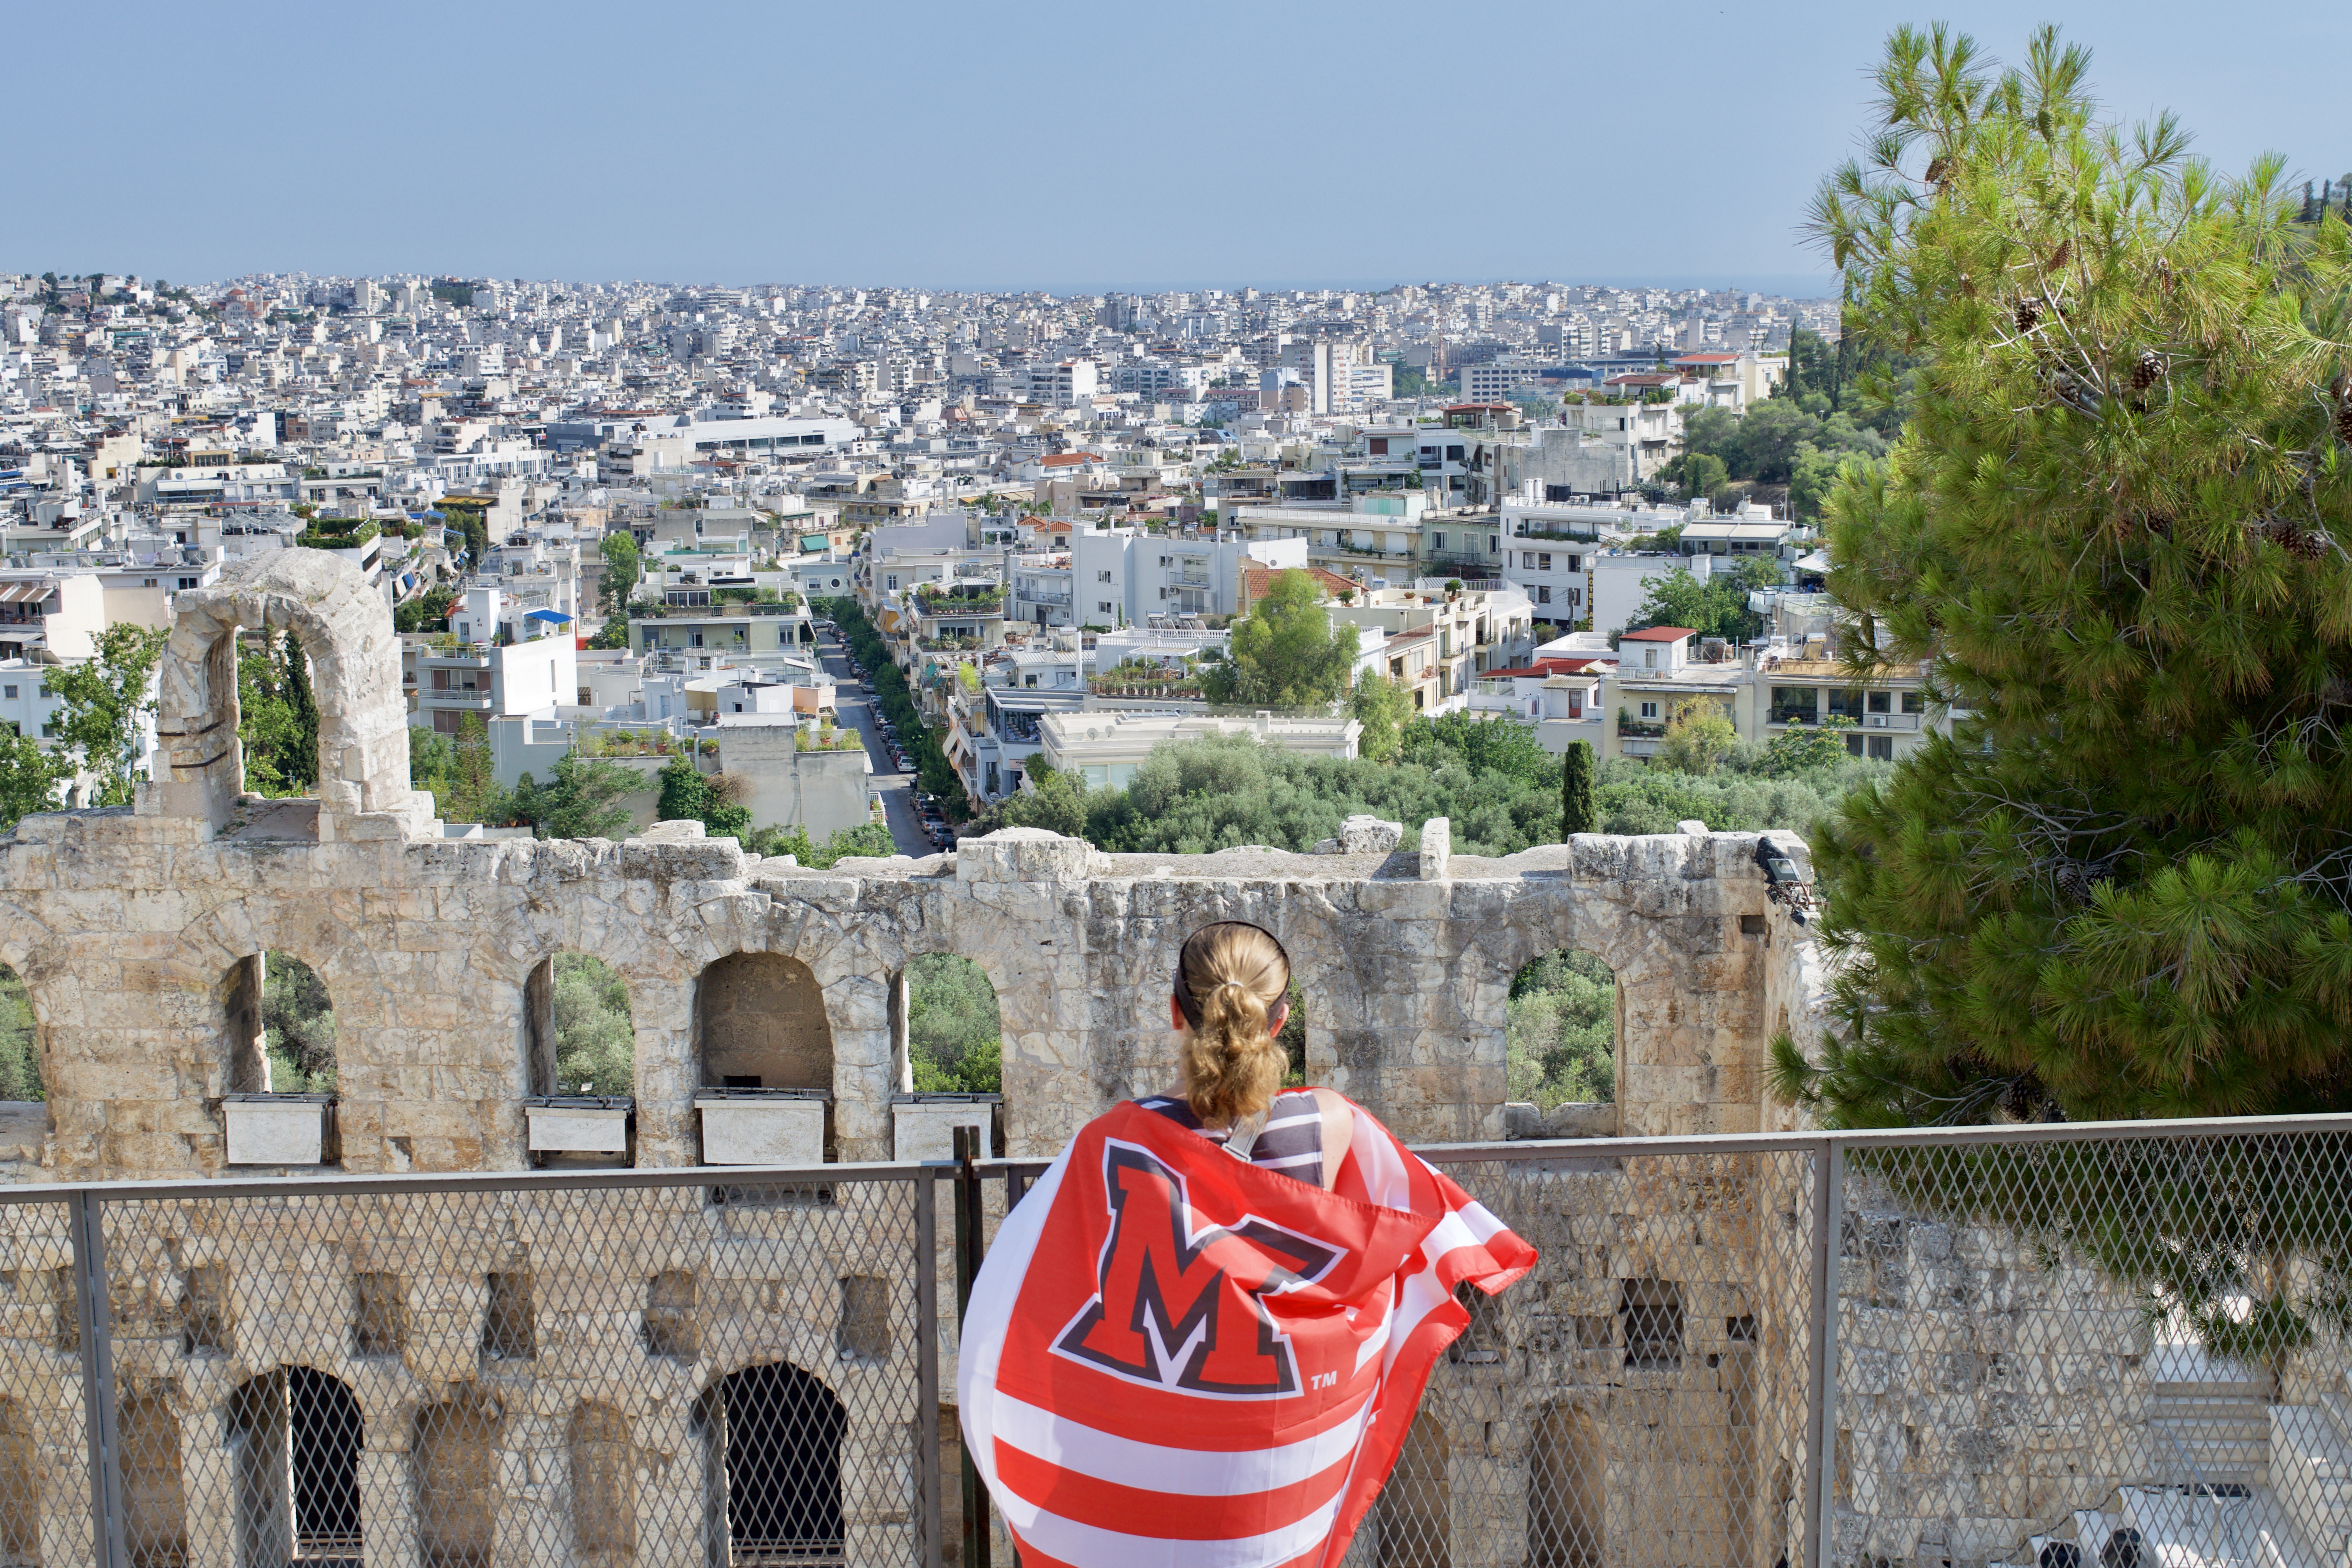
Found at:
<point>1021,144</point>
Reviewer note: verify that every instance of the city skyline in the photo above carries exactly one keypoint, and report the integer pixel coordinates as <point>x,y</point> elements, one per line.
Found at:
<point>1032,147</point>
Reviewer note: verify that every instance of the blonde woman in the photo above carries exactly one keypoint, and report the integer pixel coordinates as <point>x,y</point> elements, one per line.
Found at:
<point>1202,1336</point>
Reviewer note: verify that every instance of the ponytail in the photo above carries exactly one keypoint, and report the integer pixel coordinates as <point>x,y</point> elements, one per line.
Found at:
<point>1229,978</point>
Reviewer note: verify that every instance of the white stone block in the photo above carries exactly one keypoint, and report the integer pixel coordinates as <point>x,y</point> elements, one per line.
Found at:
<point>579,1128</point>
<point>925,1129</point>
<point>275,1130</point>
<point>761,1130</point>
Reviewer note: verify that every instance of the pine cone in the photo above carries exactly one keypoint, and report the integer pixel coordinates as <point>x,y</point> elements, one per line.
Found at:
<point>2029,314</point>
<point>2058,257</point>
<point>2147,372</point>
<point>2343,423</point>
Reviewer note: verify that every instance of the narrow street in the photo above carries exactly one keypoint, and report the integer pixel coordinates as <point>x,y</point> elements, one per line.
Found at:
<point>853,707</point>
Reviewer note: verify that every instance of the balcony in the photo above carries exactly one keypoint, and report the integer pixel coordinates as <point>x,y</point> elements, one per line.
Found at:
<point>1644,728</point>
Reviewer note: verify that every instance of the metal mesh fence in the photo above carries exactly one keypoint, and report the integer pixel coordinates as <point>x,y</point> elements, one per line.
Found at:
<point>453,1378</point>
<point>2049,1346</point>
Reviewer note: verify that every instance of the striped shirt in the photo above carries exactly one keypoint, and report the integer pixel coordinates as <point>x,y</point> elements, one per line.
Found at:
<point>1291,1142</point>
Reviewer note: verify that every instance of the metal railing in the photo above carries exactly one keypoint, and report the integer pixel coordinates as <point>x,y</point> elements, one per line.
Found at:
<point>1983,1345</point>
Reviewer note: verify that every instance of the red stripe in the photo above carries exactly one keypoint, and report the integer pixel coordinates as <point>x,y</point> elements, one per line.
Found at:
<point>1162,1516</point>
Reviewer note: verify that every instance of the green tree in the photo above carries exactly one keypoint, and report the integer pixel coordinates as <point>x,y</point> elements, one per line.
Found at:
<point>428,612</point>
<point>297,1026</point>
<point>2111,531</point>
<point>622,570</point>
<point>580,800</point>
<point>1717,607</point>
<point>954,1031</point>
<point>1802,749</point>
<point>20,1054</point>
<point>1560,1031</point>
<point>1382,707</point>
<point>1284,653</point>
<point>595,1041</point>
<point>105,700</point>
<point>29,777</point>
<point>870,838</point>
<point>459,771</point>
<point>687,794</point>
<point>1698,735</point>
<point>1577,811</point>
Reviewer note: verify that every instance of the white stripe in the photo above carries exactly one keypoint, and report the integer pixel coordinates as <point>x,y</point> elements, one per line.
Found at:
<point>1096,1548</point>
<point>1290,1121</point>
<point>1195,1472</point>
<point>1315,1155</point>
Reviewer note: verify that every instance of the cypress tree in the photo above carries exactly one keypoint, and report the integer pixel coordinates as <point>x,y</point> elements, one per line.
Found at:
<point>1577,811</point>
<point>300,762</point>
<point>2113,536</point>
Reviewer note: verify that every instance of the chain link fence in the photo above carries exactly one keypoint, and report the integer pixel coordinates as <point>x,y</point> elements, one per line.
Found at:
<point>2048,1346</point>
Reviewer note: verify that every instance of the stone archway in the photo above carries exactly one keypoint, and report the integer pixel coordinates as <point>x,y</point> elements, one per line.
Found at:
<point>346,632</point>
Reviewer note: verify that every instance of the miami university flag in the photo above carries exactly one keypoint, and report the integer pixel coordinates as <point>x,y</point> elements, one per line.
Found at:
<point>1174,1358</point>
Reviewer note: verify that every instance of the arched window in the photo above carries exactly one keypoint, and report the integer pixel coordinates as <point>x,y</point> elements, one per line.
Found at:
<point>1563,1031</point>
<point>766,1055</point>
<point>294,1438</point>
<point>772,1445</point>
<point>954,1030</point>
<point>580,1045</point>
<point>20,1048</point>
<point>453,1467</point>
<point>278,1067</point>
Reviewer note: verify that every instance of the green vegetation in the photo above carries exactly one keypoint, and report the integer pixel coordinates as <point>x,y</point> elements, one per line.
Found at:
<point>690,795</point>
<point>1578,812</point>
<point>428,612</point>
<point>1499,788</point>
<point>106,702</point>
<point>1714,608</point>
<point>20,1056</point>
<point>624,569</point>
<point>29,777</point>
<point>1284,653</point>
<point>954,1033</point>
<point>2113,528</point>
<point>277,716</point>
<point>298,1027</point>
<point>450,291</point>
<point>870,838</point>
<point>457,770</point>
<point>1560,1031</point>
<point>595,1042</point>
<point>580,800</point>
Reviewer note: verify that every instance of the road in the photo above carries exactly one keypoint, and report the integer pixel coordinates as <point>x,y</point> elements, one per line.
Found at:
<point>854,706</point>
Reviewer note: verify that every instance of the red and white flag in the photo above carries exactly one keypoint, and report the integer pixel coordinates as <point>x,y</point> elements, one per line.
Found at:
<point>1174,1358</point>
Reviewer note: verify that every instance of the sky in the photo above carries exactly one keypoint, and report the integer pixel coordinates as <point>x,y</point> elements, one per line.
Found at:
<point>1022,145</point>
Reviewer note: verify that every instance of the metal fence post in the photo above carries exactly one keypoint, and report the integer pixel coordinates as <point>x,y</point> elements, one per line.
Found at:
<point>970,1216</point>
<point>926,1365</point>
<point>95,1323</point>
<point>1822,1352</point>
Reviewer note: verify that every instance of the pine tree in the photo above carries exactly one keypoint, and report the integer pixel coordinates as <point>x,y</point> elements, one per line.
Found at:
<point>2114,534</point>
<point>1578,812</point>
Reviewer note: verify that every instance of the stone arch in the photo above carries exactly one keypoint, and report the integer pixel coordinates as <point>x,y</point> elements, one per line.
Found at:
<point>345,631</point>
<point>1564,1027</point>
<point>295,1436</point>
<point>759,1021</point>
<point>558,994</point>
<point>604,1471</point>
<point>773,1434</point>
<point>454,1468</point>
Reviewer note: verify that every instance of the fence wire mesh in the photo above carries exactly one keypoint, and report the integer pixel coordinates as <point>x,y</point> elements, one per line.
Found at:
<point>2049,1347</point>
<point>679,1375</point>
<point>45,1500</point>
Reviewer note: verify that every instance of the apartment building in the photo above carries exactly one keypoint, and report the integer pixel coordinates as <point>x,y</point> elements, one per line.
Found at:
<point>1438,644</point>
<point>1764,691</point>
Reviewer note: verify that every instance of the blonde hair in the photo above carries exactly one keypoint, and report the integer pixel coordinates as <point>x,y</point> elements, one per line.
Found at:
<point>1229,978</point>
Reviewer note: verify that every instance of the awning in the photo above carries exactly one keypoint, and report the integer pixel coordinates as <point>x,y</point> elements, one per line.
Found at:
<point>552,617</point>
<point>814,542</point>
<point>23,593</point>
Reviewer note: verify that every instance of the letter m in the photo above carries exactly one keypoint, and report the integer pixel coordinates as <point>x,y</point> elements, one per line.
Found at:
<point>1179,1303</point>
